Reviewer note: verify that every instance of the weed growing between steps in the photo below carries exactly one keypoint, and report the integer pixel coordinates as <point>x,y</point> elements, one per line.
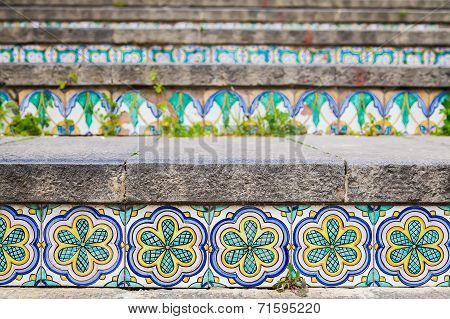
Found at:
<point>72,78</point>
<point>445,129</point>
<point>292,282</point>
<point>18,124</point>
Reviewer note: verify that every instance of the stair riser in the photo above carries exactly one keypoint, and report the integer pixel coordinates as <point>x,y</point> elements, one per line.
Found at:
<point>338,112</point>
<point>226,54</point>
<point>117,258</point>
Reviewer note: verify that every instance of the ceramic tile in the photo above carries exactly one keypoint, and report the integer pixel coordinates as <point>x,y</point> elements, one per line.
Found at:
<point>143,112</point>
<point>84,111</point>
<point>249,246</point>
<point>401,106</point>
<point>84,246</point>
<point>20,245</point>
<point>333,246</point>
<point>144,25</point>
<point>47,105</point>
<point>135,246</point>
<point>413,246</point>
<point>224,54</point>
<point>167,247</point>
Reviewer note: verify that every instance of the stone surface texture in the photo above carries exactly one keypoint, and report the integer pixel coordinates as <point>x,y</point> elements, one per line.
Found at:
<point>324,169</point>
<point>285,37</point>
<point>20,74</point>
<point>222,293</point>
<point>328,15</point>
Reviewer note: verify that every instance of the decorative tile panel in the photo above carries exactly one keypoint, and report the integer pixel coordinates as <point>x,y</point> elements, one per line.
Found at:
<point>137,246</point>
<point>166,247</point>
<point>222,25</point>
<point>249,247</point>
<point>20,251</point>
<point>330,111</point>
<point>333,246</point>
<point>83,245</point>
<point>413,246</point>
<point>224,54</point>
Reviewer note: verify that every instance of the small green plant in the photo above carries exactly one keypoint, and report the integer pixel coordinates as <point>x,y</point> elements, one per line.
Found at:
<point>274,123</point>
<point>403,14</point>
<point>72,78</point>
<point>109,122</point>
<point>27,125</point>
<point>119,3</point>
<point>369,128</point>
<point>158,87</point>
<point>293,282</point>
<point>445,129</point>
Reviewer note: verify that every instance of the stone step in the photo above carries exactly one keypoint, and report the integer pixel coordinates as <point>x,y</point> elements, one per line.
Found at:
<point>235,35</point>
<point>210,14</point>
<point>412,4</point>
<point>322,169</point>
<point>113,198</point>
<point>207,75</point>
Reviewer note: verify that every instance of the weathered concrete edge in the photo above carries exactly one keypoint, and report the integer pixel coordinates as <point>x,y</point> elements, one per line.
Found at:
<point>250,3</point>
<point>192,75</point>
<point>327,15</point>
<point>23,35</point>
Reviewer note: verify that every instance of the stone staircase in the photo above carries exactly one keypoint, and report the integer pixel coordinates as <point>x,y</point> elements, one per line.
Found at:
<point>144,211</point>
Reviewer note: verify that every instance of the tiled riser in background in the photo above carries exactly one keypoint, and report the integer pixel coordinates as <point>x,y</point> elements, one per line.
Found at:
<point>221,25</point>
<point>231,246</point>
<point>228,54</point>
<point>343,111</point>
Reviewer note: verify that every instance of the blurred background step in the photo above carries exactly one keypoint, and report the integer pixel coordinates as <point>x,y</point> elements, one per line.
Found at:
<point>224,14</point>
<point>191,75</point>
<point>211,33</point>
<point>419,4</point>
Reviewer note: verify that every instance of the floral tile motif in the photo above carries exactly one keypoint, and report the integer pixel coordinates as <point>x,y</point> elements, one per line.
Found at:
<point>100,54</point>
<point>224,54</point>
<point>9,54</point>
<point>413,246</point>
<point>68,54</point>
<point>166,247</point>
<point>130,54</point>
<point>83,246</point>
<point>19,245</point>
<point>36,54</point>
<point>249,247</point>
<point>331,111</point>
<point>333,246</point>
<point>135,246</point>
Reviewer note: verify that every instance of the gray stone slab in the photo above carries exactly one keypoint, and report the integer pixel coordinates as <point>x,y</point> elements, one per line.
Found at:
<point>226,14</point>
<point>414,4</point>
<point>283,37</point>
<point>224,293</point>
<point>304,169</point>
<point>19,74</point>
<point>232,170</point>
<point>391,169</point>
<point>64,169</point>
<point>366,76</point>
